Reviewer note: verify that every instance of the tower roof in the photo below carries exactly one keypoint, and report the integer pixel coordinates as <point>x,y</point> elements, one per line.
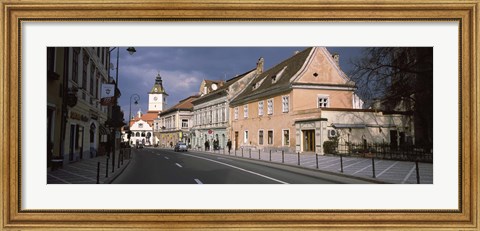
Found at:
<point>158,86</point>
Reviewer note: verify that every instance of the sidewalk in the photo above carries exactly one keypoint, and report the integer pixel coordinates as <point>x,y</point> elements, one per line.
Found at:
<point>388,171</point>
<point>85,171</point>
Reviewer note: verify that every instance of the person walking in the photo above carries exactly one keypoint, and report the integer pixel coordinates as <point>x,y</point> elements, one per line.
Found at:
<point>229,145</point>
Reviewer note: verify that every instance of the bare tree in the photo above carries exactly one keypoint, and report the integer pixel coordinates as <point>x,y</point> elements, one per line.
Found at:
<point>399,79</point>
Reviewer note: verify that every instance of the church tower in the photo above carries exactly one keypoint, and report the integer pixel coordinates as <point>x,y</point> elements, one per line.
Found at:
<point>157,97</point>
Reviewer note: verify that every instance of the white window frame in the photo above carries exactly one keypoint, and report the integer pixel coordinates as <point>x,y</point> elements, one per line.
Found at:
<point>183,120</point>
<point>285,103</point>
<point>245,136</point>
<point>270,107</point>
<point>260,107</point>
<point>273,137</point>
<point>283,137</point>
<point>323,97</point>
<point>235,113</point>
<point>245,111</point>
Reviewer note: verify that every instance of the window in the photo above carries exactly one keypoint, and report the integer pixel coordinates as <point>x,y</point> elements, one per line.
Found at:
<point>260,108</point>
<point>245,137</point>
<point>84,74</point>
<point>260,137</point>
<point>270,136</point>
<point>223,114</point>
<point>140,125</point>
<point>286,137</point>
<point>96,85</point>
<point>323,101</point>
<point>184,123</point>
<point>137,134</point>
<point>75,65</point>
<point>143,134</point>
<point>270,106</point>
<point>235,113</point>
<point>245,111</point>
<point>92,80</point>
<point>285,103</point>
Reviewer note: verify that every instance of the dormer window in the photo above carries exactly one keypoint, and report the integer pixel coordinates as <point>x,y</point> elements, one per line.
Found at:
<point>257,84</point>
<point>140,125</point>
<point>276,77</point>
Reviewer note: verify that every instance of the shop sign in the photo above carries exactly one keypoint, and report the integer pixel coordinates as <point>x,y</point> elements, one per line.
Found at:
<point>77,116</point>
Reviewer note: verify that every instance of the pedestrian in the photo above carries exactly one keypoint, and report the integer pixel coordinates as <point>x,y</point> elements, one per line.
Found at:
<point>207,145</point>
<point>229,145</point>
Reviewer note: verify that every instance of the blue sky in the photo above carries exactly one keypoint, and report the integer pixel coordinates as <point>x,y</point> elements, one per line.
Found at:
<point>183,68</point>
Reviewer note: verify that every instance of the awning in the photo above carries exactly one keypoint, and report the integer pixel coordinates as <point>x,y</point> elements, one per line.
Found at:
<point>336,125</point>
<point>104,130</point>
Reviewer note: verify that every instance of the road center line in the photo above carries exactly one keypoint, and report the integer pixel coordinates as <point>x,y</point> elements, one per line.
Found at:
<point>166,157</point>
<point>178,165</point>
<point>241,169</point>
<point>198,181</point>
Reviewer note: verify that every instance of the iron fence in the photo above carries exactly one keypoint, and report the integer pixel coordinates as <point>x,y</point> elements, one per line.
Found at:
<point>383,151</point>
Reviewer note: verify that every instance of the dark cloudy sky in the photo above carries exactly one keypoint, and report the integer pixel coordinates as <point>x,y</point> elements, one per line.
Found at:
<point>183,68</point>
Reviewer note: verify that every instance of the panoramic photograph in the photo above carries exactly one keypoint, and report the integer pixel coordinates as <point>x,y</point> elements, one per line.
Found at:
<point>239,115</point>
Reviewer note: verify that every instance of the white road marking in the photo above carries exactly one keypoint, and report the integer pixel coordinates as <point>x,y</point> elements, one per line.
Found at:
<point>166,157</point>
<point>64,181</point>
<point>198,181</point>
<point>241,169</point>
<point>350,165</point>
<point>88,178</point>
<point>408,175</point>
<point>178,165</point>
<point>391,166</point>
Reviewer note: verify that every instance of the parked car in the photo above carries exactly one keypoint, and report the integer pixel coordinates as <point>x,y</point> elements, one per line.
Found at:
<point>180,146</point>
<point>139,145</point>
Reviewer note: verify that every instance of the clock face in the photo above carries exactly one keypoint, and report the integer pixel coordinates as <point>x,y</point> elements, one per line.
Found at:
<point>155,98</point>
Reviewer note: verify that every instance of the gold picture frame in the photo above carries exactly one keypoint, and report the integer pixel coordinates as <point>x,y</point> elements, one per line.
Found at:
<point>14,12</point>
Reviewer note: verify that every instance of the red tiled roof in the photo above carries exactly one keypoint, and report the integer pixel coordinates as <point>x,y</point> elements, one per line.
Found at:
<point>147,117</point>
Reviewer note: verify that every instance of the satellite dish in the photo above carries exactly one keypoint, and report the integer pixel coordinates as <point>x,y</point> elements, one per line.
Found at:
<point>214,87</point>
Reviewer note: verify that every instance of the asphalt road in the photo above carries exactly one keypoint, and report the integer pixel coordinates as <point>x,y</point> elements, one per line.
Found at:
<point>160,166</point>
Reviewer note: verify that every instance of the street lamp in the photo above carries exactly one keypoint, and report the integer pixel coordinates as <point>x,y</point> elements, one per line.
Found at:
<point>136,97</point>
<point>130,50</point>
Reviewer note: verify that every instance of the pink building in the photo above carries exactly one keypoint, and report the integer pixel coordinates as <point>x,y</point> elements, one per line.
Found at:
<point>282,108</point>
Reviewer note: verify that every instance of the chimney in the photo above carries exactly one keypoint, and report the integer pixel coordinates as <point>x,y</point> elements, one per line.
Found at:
<point>336,58</point>
<point>260,65</point>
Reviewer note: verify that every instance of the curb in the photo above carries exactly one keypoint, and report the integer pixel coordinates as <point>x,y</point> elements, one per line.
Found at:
<point>297,167</point>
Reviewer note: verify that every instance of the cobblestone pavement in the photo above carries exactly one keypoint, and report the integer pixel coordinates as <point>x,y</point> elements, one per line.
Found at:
<point>388,171</point>
<point>85,171</point>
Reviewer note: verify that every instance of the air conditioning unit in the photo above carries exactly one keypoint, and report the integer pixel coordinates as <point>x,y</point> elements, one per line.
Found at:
<point>332,133</point>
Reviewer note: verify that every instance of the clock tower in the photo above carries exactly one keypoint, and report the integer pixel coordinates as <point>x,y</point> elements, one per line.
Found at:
<point>157,97</point>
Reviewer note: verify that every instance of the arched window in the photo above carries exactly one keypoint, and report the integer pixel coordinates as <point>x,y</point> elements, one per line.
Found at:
<point>137,134</point>
<point>143,134</point>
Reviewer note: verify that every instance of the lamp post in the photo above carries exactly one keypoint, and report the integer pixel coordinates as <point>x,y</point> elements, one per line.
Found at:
<point>135,97</point>
<point>130,50</point>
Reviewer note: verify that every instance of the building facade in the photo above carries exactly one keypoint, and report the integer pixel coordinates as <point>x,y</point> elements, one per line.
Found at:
<point>174,124</point>
<point>283,108</point>
<point>142,125</point>
<point>211,111</point>
<point>75,116</point>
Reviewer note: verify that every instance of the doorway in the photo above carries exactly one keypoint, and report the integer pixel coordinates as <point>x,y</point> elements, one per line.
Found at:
<point>308,140</point>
